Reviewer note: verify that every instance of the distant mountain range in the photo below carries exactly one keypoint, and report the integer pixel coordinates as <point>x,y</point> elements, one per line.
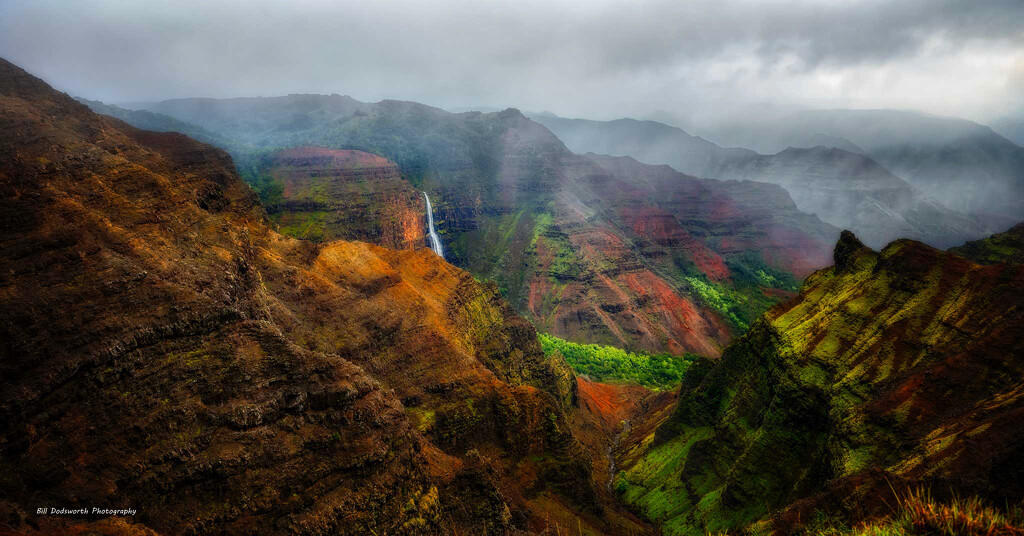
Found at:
<point>650,142</point>
<point>853,191</point>
<point>156,122</point>
<point>962,164</point>
<point>835,175</point>
<point>1013,129</point>
<point>638,256</point>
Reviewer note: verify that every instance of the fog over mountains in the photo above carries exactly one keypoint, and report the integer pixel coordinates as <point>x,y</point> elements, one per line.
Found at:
<point>883,173</point>
<point>602,59</point>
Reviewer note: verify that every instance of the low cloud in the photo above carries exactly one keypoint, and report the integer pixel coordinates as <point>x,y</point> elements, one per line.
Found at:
<point>593,58</point>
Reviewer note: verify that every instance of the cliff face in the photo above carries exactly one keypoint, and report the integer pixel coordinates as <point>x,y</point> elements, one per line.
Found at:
<point>326,194</point>
<point>898,367</point>
<point>163,349</point>
<point>592,249</point>
<point>612,251</point>
<point>637,255</point>
<point>733,217</point>
<point>609,250</point>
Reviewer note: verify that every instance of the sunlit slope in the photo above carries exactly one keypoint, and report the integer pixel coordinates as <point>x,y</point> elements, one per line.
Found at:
<point>892,367</point>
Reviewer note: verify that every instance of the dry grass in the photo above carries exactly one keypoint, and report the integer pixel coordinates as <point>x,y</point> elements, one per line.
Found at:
<point>918,514</point>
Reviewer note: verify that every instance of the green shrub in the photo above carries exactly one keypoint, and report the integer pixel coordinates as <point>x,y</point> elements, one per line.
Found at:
<point>610,364</point>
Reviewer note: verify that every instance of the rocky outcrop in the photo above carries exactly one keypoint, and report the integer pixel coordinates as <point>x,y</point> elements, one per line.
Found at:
<point>895,368</point>
<point>326,194</point>
<point>162,348</point>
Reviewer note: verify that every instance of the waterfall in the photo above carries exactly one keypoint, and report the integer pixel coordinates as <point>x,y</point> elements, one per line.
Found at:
<point>435,241</point>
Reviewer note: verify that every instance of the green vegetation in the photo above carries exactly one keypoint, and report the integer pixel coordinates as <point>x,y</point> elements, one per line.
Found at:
<point>754,288</point>
<point>307,225</point>
<point>497,250</point>
<point>541,224</point>
<point>1005,247</point>
<point>743,302</point>
<point>917,513</point>
<point>748,269</point>
<point>718,297</point>
<point>607,363</point>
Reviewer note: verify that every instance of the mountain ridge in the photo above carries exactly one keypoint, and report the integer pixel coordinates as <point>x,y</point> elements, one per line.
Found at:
<point>851,191</point>
<point>963,164</point>
<point>513,204</point>
<point>163,347</point>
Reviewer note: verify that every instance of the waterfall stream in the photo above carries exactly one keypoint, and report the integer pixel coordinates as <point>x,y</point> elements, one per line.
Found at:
<point>435,241</point>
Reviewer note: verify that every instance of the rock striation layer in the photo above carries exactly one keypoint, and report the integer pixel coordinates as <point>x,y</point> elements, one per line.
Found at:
<point>325,194</point>
<point>162,348</point>
<point>589,248</point>
<point>890,369</point>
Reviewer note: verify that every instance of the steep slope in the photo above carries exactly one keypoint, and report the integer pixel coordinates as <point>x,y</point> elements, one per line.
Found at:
<point>738,218</point>
<point>325,194</point>
<point>587,252</point>
<point>831,177</point>
<point>147,120</point>
<point>895,368</point>
<point>1012,129</point>
<point>163,349</point>
<point>1001,247</point>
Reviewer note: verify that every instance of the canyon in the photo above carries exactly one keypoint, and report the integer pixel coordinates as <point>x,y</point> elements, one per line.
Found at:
<point>329,325</point>
<point>164,348</point>
<point>589,249</point>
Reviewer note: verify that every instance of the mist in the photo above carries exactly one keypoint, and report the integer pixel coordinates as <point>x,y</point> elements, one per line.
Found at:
<point>690,63</point>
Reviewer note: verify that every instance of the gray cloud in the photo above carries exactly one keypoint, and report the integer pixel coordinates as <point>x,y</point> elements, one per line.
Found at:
<point>596,58</point>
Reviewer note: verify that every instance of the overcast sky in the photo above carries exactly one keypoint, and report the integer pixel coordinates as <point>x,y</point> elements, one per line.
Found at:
<point>586,58</point>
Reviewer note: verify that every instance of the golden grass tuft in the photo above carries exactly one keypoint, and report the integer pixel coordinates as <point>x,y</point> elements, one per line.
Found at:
<point>918,514</point>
